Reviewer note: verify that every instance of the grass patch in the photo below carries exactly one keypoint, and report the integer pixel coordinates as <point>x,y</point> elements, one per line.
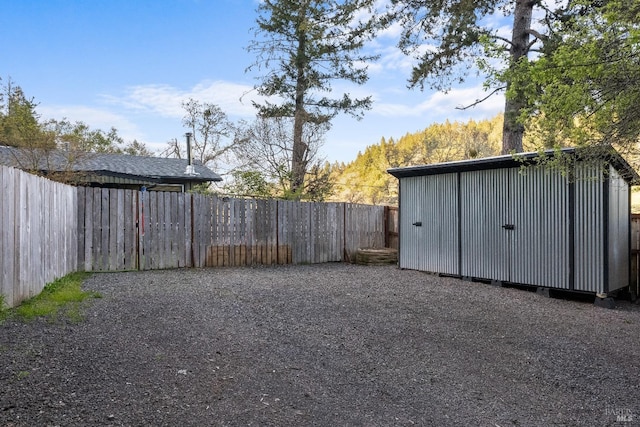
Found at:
<point>3,309</point>
<point>61,298</point>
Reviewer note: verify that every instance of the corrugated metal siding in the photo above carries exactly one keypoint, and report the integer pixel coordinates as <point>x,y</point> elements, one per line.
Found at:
<point>484,210</point>
<point>540,241</point>
<point>433,246</point>
<point>546,210</point>
<point>588,232</point>
<point>619,229</point>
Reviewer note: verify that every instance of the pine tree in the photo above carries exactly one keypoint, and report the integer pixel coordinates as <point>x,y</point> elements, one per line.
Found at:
<point>301,47</point>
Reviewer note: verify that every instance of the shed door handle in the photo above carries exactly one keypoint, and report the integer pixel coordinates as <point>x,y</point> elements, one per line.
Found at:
<point>509,227</point>
<point>418,223</point>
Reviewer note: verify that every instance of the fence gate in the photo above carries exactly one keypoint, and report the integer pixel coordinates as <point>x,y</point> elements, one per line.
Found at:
<point>108,238</point>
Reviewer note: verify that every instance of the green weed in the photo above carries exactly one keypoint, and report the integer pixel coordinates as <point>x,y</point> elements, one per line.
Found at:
<point>62,297</point>
<point>22,374</point>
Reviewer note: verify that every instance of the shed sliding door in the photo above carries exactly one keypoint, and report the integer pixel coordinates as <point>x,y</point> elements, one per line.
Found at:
<point>429,224</point>
<point>540,244</point>
<point>484,211</point>
<point>515,226</point>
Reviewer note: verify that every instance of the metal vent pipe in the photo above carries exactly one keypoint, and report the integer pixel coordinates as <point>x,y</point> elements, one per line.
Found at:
<point>189,135</point>
<point>190,169</point>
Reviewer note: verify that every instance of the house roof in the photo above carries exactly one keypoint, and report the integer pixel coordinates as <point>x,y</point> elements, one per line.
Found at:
<point>517,160</point>
<point>120,165</point>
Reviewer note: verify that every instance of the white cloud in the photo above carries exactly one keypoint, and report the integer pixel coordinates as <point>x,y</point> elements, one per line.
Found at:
<point>392,58</point>
<point>233,98</point>
<point>165,100</point>
<point>96,118</point>
<point>161,99</point>
<point>449,104</point>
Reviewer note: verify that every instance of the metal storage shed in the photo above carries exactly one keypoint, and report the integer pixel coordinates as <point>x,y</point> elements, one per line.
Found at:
<point>493,219</point>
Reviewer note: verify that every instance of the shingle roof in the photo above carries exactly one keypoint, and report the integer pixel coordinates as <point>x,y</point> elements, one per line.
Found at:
<point>116,164</point>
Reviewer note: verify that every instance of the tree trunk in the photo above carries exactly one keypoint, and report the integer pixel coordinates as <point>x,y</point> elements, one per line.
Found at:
<point>512,131</point>
<point>298,167</point>
<point>299,149</point>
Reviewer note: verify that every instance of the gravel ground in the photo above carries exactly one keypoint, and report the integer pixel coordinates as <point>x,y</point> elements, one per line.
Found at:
<point>327,345</point>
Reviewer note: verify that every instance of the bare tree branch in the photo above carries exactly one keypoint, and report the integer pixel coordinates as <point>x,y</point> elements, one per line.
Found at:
<point>507,41</point>
<point>536,34</point>
<point>478,101</point>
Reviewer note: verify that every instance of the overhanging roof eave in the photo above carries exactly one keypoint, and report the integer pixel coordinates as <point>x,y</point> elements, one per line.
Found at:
<point>508,161</point>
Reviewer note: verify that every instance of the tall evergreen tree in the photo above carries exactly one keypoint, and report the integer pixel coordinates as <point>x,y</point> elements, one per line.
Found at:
<point>449,37</point>
<point>302,46</point>
<point>19,121</point>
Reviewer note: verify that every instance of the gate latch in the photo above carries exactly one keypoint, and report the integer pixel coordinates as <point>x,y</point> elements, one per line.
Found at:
<point>418,223</point>
<point>509,227</point>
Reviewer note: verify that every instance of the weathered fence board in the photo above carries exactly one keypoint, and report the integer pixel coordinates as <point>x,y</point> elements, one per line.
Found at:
<point>130,259</point>
<point>391,223</point>
<point>364,228</point>
<point>38,233</point>
<point>7,235</point>
<point>81,240</point>
<point>86,229</point>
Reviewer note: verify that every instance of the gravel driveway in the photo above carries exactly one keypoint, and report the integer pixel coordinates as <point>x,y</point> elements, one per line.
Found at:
<point>327,345</point>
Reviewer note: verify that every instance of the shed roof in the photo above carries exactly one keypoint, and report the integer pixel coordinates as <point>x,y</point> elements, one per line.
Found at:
<point>510,161</point>
<point>121,165</point>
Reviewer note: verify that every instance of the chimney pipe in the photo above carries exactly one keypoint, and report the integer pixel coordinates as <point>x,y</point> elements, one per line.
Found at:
<point>188,135</point>
<point>190,169</point>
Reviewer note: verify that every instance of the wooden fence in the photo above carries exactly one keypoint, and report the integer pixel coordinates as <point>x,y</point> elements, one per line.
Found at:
<point>38,233</point>
<point>48,230</point>
<point>126,229</point>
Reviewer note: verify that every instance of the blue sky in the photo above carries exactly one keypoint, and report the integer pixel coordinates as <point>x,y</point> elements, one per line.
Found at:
<point>130,63</point>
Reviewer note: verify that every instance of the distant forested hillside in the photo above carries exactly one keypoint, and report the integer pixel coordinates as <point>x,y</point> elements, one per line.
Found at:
<point>365,180</point>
